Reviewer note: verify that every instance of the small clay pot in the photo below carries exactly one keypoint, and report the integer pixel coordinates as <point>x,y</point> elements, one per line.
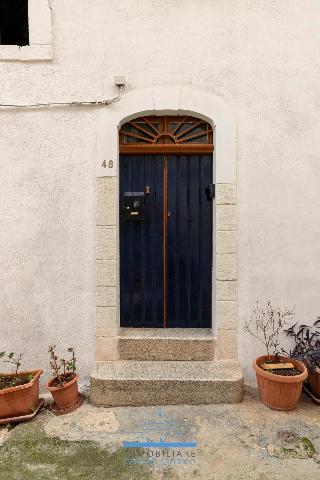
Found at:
<point>279,392</point>
<point>20,400</point>
<point>67,396</point>
<point>314,382</point>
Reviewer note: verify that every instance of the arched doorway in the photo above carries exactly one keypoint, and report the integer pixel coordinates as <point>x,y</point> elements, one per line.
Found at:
<point>166,222</point>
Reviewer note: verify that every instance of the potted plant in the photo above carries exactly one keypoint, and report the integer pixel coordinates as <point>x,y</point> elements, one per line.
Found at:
<point>19,391</point>
<point>64,385</point>
<point>280,378</point>
<point>307,350</point>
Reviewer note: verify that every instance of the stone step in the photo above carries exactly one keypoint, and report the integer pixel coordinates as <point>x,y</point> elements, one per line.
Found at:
<point>131,382</point>
<point>166,344</point>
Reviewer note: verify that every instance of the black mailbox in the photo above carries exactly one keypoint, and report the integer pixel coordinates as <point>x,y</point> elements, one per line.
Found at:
<point>133,206</point>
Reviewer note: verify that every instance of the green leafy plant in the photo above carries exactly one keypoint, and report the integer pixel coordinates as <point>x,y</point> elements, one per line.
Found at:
<point>307,344</point>
<point>17,379</point>
<point>71,364</point>
<point>13,359</point>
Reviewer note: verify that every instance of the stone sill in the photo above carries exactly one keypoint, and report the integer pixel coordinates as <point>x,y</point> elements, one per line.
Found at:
<point>28,53</point>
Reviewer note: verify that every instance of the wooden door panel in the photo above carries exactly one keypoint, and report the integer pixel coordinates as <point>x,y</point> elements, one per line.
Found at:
<point>141,244</point>
<point>189,242</point>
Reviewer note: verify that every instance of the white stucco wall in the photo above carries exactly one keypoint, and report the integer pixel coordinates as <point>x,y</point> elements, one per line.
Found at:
<point>261,57</point>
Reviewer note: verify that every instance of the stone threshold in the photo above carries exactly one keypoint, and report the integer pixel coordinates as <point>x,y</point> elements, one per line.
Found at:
<point>166,344</point>
<point>166,382</point>
<point>168,333</point>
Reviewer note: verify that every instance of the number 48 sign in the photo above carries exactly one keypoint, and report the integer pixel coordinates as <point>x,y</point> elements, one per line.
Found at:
<point>108,168</point>
<point>108,164</point>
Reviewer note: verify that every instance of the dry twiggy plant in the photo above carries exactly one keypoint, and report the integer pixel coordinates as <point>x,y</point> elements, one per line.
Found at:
<point>266,323</point>
<point>66,365</point>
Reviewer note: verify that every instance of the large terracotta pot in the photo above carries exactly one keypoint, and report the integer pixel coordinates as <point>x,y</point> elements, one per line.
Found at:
<point>67,396</point>
<point>314,382</point>
<point>279,391</point>
<point>22,399</point>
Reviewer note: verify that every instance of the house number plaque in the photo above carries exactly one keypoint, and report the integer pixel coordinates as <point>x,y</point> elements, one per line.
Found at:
<point>107,168</point>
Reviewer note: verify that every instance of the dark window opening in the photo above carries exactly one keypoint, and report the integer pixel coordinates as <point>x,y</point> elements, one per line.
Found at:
<point>14,28</point>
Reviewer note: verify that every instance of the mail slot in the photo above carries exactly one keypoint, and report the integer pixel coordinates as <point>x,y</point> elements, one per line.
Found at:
<point>133,206</point>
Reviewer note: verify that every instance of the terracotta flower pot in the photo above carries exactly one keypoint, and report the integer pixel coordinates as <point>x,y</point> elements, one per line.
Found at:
<point>67,396</point>
<point>314,382</point>
<point>22,399</point>
<point>279,392</point>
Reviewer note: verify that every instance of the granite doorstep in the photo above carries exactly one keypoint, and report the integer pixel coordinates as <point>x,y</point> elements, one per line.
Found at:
<point>166,382</point>
<point>165,349</point>
<point>166,344</point>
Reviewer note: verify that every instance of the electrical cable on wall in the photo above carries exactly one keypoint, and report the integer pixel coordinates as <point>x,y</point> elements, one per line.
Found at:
<point>70,104</point>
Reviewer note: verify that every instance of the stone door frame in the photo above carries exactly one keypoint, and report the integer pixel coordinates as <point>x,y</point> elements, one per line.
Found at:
<point>166,100</point>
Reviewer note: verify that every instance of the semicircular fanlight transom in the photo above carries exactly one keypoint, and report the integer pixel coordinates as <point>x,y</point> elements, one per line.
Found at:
<point>166,130</point>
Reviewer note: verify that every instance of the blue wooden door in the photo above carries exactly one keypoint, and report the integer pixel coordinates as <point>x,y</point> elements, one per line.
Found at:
<point>166,246</point>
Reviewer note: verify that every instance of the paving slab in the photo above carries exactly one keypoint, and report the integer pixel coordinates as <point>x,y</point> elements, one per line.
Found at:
<point>245,441</point>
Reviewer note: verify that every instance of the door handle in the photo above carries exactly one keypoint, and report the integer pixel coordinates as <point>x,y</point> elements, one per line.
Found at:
<point>170,214</point>
<point>211,191</point>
